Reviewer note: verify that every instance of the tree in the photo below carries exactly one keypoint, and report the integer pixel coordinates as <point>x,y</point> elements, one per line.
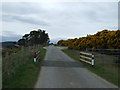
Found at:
<point>21,42</point>
<point>101,40</point>
<point>35,37</point>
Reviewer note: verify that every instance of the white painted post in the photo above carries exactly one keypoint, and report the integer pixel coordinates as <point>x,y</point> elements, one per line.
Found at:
<point>93,62</point>
<point>34,57</point>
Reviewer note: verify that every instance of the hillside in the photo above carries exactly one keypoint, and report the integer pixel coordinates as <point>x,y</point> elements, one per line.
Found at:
<point>101,40</point>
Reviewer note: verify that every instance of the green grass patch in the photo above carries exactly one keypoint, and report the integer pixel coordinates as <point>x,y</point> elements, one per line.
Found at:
<point>72,53</point>
<point>101,70</point>
<point>26,75</point>
<point>43,54</point>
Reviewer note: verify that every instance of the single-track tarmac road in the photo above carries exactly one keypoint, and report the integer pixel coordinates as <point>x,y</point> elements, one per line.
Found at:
<point>60,71</point>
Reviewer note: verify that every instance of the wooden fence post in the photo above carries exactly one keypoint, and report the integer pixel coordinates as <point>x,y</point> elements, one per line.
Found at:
<point>87,57</point>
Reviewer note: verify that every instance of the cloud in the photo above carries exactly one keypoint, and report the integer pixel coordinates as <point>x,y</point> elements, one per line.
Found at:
<point>10,38</point>
<point>24,19</point>
<point>7,33</point>
<point>21,8</point>
<point>23,12</point>
<point>60,20</point>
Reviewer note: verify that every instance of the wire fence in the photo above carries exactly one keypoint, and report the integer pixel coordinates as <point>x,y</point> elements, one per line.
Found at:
<point>113,52</point>
<point>109,61</point>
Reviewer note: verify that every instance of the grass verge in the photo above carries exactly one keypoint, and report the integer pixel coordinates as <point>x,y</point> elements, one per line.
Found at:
<point>26,75</point>
<point>98,69</point>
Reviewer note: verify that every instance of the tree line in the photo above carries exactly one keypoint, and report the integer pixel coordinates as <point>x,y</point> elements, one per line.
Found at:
<point>104,39</point>
<point>34,37</point>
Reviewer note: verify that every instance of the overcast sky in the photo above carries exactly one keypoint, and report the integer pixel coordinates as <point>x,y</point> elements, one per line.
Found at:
<point>61,20</point>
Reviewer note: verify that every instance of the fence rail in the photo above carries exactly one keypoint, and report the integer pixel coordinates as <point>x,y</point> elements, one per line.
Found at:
<point>36,56</point>
<point>87,57</point>
<point>87,49</point>
<point>113,52</point>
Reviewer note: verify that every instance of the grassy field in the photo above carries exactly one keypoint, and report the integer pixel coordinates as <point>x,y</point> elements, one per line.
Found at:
<point>106,71</point>
<point>24,75</point>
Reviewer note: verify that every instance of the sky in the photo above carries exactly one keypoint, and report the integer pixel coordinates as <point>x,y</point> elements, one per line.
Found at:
<point>61,20</point>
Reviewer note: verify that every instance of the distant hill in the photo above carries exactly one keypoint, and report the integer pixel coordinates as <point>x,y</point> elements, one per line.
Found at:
<point>8,45</point>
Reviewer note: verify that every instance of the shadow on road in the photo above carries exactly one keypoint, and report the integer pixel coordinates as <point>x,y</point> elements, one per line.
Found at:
<point>61,64</point>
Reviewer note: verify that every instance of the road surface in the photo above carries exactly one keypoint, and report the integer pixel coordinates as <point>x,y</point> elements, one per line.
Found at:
<point>60,71</point>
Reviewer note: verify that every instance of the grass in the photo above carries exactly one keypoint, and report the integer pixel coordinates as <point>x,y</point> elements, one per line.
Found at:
<point>43,53</point>
<point>104,71</point>
<point>26,75</point>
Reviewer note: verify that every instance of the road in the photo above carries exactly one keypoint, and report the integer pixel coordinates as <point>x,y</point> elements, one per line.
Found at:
<point>60,71</point>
